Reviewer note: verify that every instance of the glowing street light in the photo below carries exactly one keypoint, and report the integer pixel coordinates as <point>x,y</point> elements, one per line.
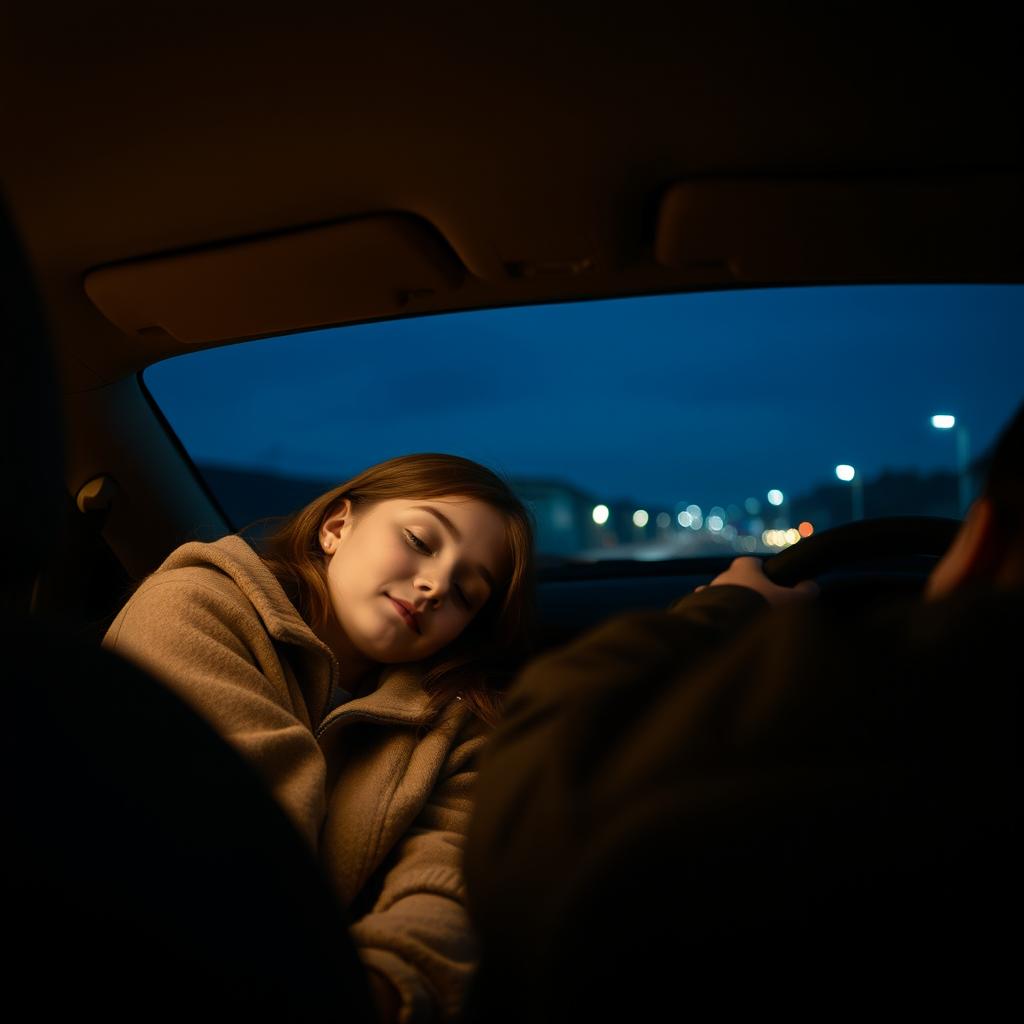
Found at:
<point>775,497</point>
<point>944,421</point>
<point>600,514</point>
<point>849,475</point>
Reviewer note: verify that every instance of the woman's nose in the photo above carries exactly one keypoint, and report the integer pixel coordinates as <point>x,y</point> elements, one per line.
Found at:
<point>434,587</point>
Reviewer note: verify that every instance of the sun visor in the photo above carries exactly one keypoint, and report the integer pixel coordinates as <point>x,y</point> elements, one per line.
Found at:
<point>356,270</point>
<point>957,228</point>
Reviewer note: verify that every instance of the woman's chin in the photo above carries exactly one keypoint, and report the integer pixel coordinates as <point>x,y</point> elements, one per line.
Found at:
<point>388,650</point>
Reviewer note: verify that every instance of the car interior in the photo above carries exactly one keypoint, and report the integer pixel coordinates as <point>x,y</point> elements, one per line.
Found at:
<point>184,177</point>
<point>187,200</point>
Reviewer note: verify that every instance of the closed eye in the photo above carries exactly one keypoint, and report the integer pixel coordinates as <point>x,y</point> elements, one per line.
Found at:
<point>419,545</point>
<point>416,543</point>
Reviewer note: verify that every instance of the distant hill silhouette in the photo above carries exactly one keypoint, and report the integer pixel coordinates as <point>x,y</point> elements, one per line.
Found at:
<point>247,494</point>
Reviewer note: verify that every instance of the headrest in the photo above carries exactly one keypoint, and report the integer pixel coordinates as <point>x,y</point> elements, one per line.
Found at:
<point>33,431</point>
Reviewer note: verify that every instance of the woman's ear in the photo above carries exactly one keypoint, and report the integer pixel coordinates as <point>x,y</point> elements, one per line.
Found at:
<point>333,524</point>
<point>971,555</point>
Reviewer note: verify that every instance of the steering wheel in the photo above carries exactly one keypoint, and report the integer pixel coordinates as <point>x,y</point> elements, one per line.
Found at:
<point>861,543</point>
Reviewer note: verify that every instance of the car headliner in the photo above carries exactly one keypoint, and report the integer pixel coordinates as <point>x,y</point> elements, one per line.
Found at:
<point>532,156</point>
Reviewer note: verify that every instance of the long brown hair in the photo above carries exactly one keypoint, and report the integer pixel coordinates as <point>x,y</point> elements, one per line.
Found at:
<point>475,665</point>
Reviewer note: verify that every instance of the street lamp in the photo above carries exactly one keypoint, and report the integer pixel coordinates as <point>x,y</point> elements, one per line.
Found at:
<point>963,454</point>
<point>849,475</point>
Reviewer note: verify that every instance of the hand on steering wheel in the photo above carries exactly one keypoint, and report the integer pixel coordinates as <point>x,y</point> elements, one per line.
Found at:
<point>749,572</point>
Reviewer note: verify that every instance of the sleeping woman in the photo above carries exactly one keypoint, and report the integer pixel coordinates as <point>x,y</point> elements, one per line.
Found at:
<point>354,662</point>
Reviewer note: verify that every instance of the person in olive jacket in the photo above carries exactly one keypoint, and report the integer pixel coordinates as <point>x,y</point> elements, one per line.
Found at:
<point>751,803</point>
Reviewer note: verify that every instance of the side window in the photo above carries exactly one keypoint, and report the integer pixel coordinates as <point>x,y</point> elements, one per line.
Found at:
<point>653,427</point>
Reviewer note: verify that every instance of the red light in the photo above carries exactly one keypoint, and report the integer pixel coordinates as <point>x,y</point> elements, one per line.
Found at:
<point>805,528</point>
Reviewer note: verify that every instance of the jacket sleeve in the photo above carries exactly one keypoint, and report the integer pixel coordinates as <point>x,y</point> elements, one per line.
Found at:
<point>567,717</point>
<point>215,654</point>
<point>418,934</point>
<point>565,705</point>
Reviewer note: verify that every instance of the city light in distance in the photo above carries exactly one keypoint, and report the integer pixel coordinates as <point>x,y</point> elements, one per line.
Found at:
<point>694,511</point>
<point>600,514</point>
<point>780,538</point>
<point>663,520</point>
<point>845,472</point>
<point>943,422</point>
<point>806,528</point>
<point>684,519</point>
<point>640,517</point>
<point>715,523</point>
<point>775,497</point>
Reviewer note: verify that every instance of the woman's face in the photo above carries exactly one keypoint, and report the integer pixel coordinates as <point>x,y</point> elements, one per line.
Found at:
<point>406,577</point>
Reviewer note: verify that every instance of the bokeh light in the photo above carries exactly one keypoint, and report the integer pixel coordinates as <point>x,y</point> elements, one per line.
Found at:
<point>600,514</point>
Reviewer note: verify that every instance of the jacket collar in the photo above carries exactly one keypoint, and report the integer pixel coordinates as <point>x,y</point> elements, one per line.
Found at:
<point>399,697</point>
<point>234,556</point>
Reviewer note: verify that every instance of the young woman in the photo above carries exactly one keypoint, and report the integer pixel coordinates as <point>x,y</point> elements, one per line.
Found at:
<point>354,662</point>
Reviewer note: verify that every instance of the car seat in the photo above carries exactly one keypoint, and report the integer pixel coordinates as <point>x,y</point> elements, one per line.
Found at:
<point>150,874</point>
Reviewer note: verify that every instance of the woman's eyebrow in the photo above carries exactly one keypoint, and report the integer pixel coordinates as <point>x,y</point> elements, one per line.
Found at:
<point>453,530</point>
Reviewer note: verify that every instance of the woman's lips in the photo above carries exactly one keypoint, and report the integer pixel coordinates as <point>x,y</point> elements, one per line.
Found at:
<point>408,616</point>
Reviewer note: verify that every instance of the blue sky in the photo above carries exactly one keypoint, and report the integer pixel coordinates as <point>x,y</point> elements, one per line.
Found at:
<point>706,397</point>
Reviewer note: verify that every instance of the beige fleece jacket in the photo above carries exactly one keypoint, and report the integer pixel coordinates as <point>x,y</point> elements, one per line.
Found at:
<point>382,792</point>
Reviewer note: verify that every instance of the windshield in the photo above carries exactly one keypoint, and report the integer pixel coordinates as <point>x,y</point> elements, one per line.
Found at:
<point>666,426</point>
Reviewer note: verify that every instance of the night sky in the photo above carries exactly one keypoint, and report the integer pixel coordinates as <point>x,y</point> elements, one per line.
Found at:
<point>708,398</point>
